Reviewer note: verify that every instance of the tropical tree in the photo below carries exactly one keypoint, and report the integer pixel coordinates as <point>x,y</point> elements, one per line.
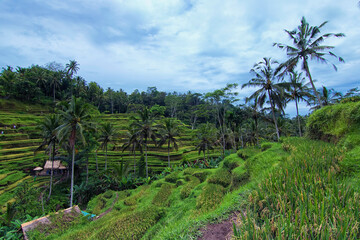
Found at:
<point>265,79</point>
<point>168,131</point>
<point>327,97</point>
<point>146,129</point>
<point>133,142</point>
<point>76,119</point>
<point>109,134</point>
<point>48,129</point>
<point>55,80</point>
<point>298,91</point>
<point>307,42</point>
<point>72,67</point>
<point>206,139</point>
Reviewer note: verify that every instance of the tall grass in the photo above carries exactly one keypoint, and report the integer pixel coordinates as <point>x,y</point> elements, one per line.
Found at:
<point>305,198</point>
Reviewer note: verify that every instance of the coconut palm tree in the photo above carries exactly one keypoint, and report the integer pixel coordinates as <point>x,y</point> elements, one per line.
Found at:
<point>265,79</point>
<point>72,67</point>
<point>206,138</point>
<point>48,131</point>
<point>298,91</point>
<point>168,131</point>
<point>133,142</point>
<point>145,128</point>
<point>55,80</point>
<point>307,42</point>
<point>108,134</point>
<point>75,118</point>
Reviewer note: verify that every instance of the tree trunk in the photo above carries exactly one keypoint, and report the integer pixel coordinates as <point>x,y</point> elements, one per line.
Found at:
<point>274,118</point>
<point>54,92</point>
<point>297,115</point>
<point>72,177</point>
<point>134,161</point>
<point>87,168</point>
<point>105,157</point>
<point>52,171</point>
<point>97,166</point>
<point>312,83</point>
<point>146,160</point>
<point>169,153</point>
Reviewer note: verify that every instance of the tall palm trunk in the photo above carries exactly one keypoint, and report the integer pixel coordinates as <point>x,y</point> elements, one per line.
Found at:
<point>97,166</point>
<point>169,152</point>
<point>105,157</point>
<point>134,159</point>
<point>72,176</point>
<point>52,171</point>
<point>297,116</point>
<point>87,168</point>
<point>273,114</point>
<point>312,83</point>
<point>146,159</point>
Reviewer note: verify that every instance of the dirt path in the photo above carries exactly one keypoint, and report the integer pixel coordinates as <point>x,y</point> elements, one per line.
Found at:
<point>219,231</point>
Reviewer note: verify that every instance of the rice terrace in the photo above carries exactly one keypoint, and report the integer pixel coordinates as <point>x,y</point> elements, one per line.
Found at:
<point>179,120</point>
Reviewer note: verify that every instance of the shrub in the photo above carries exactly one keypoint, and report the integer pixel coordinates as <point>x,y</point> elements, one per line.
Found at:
<point>239,176</point>
<point>189,171</point>
<point>231,162</point>
<point>179,182</point>
<point>108,194</point>
<point>201,175</point>
<point>221,176</point>
<point>186,189</point>
<point>210,197</point>
<point>162,196</point>
<point>248,152</point>
<point>265,146</point>
<point>171,178</point>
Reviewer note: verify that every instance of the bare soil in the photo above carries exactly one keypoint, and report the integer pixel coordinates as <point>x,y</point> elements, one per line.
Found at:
<point>219,231</point>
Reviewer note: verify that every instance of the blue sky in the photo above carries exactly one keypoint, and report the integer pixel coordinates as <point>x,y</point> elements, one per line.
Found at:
<point>171,44</point>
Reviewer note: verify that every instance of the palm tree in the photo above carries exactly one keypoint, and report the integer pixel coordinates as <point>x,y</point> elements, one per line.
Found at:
<point>132,142</point>
<point>75,119</point>
<point>265,78</point>
<point>55,81</point>
<point>108,135</point>
<point>298,91</point>
<point>328,97</point>
<point>206,136</point>
<point>307,43</point>
<point>48,131</point>
<point>72,67</point>
<point>146,130</point>
<point>169,130</point>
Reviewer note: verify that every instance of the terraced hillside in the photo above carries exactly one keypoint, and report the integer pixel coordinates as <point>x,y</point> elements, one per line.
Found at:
<point>17,147</point>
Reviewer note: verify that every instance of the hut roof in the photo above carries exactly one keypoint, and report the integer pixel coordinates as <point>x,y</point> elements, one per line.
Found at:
<point>57,165</point>
<point>38,169</point>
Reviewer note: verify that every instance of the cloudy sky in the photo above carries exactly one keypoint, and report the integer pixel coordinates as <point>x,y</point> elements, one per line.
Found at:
<point>175,45</point>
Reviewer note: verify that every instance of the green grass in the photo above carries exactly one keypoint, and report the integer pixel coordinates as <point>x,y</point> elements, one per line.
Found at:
<point>304,198</point>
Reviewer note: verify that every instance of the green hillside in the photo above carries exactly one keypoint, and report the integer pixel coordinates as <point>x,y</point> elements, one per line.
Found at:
<point>17,146</point>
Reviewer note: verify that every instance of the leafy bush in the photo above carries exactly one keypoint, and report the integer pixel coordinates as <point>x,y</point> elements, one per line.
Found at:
<point>186,189</point>
<point>239,176</point>
<point>108,194</point>
<point>189,171</point>
<point>210,197</point>
<point>171,178</point>
<point>201,175</point>
<point>330,123</point>
<point>162,196</point>
<point>179,182</point>
<point>266,145</point>
<point>231,162</point>
<point>221,176</point>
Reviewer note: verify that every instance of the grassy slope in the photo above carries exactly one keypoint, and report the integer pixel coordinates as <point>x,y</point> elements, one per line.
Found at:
<point>179,203</point>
